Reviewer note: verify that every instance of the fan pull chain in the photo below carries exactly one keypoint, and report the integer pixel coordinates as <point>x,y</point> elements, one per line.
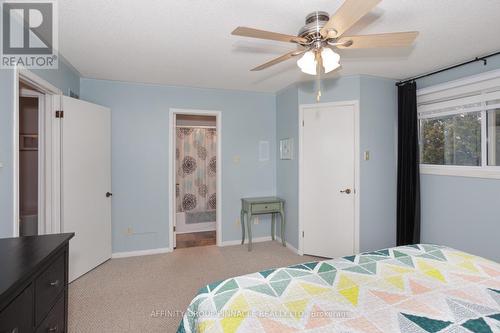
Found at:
<point>319,66</point>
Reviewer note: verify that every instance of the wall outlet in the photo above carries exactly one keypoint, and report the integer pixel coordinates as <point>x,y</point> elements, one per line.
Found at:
<point>367,155</point>
<point>256,220</point>
<point>238,222</point>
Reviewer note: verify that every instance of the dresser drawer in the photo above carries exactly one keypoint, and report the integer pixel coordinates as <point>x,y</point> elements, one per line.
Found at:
<point>54,322</point>
<point>48,286</point>
<point>263,207</point>
<point>17,317</point>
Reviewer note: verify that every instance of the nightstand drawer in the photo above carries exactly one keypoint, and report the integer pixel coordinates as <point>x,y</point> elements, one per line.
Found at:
<point>264,207</point>
<point>48,286</point>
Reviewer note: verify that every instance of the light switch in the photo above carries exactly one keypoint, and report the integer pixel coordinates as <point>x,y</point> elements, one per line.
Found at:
<point>367,155</point>
<point>236,159</point>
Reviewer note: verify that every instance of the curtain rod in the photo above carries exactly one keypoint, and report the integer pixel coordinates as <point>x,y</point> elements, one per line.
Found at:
<point>483,59</point>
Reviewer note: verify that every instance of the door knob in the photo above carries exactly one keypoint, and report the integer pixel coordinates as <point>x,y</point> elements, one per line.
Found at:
<point>109,194</point>
<point>346,191</point>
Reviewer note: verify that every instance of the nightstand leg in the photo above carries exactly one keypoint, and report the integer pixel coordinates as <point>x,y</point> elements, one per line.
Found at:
<point>242,222</point>
<point>273,223</point>
<point>249,225</point>
<point>282,213</point>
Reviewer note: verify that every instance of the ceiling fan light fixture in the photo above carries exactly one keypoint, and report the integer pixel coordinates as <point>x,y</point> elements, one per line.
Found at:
<point>330,59</point>
<point>307,63</point>
<point>322,32</point>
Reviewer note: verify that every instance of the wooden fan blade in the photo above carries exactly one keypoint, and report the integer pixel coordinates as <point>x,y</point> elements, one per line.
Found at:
<point>395,39</point>
<point>346,16</point>
<point>262,34</point>
<point>278,60</point>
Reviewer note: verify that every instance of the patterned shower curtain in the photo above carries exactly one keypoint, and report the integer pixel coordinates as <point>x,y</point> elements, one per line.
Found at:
<point>196,169</point>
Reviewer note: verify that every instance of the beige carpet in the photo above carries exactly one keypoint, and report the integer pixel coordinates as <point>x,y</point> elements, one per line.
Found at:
<point>121,294</point>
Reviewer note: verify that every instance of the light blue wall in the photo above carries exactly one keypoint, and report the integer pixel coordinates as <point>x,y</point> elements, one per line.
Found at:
<point>457,211</point>
<point>460,72</point>
<point>140,155</point>
<point>462,213</point>
<point>6,125</point>
<point>378,117</point>
<point>378,131</point>
<point>287,171</point>
<point>334,90</point>
<point>65,77</point>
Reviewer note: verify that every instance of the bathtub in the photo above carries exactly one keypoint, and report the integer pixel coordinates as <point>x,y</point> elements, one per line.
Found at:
<point>181,227</point>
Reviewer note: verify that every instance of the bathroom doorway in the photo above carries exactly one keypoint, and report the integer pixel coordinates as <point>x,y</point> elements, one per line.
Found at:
<point>196,179</point>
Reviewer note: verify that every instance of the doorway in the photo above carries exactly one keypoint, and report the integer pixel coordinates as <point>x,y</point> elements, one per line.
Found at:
<point>32,156</point>
<point>329,179</point>
<point>29,163</point>
<point>73,163</point>
<point>195,178</point>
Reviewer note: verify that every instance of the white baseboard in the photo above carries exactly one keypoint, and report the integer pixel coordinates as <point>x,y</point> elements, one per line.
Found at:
<point>226,243</point>
<point>262,239</point>
<point>140,253</point>
<point>290,247</point>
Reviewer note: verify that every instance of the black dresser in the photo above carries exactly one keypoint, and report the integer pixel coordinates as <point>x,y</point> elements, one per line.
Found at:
<point>34,284</point>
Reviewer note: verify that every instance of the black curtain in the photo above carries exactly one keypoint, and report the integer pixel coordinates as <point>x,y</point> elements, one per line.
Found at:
<point>408,205</point>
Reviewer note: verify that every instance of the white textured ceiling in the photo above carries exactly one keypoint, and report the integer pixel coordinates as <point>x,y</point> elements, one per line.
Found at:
<point>188,42</point>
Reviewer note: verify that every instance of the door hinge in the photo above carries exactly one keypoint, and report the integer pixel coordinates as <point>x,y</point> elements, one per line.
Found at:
<point>303,123</point>
<point>174,228</point>
<point>60,114</point>
<point>302,234</point>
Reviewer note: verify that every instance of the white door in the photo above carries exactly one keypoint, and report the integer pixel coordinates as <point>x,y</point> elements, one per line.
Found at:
<point>86,179</point>
<point>327,191</point>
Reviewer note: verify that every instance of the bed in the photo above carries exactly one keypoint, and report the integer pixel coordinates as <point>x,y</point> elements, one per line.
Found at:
<point>417,288</point>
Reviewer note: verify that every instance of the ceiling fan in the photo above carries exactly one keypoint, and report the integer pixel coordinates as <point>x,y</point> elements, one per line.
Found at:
<point>322,33</point>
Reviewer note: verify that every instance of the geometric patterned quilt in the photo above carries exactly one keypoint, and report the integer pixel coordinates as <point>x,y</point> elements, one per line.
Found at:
<point>410,289</point>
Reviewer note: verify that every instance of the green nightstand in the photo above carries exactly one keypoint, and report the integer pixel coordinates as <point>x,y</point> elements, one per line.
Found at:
<point>259,206</point>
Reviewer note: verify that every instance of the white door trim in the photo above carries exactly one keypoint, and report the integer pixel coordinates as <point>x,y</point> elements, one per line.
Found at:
<point>357,188</point>
<point>47,90</point>
<point>171,169</point>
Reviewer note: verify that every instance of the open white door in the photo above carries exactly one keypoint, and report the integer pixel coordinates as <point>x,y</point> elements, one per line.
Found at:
<point>86,181</point>
<point>327,185</point>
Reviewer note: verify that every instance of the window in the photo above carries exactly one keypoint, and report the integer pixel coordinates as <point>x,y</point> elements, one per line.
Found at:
<point>451,140</point>
<point>494,137</point>
<point>459,127</point>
